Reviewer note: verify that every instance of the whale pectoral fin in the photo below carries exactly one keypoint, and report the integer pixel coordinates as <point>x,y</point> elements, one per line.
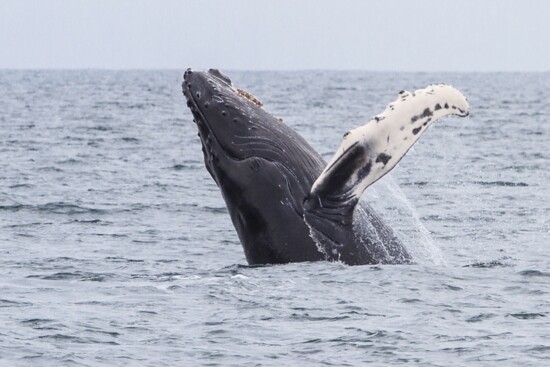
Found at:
<point>368,152</point>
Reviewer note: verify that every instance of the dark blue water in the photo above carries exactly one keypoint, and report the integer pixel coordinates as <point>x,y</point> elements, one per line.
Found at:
<point>116,248</point>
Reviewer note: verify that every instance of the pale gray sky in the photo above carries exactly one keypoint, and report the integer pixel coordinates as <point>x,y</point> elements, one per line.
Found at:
<point>399,35</point>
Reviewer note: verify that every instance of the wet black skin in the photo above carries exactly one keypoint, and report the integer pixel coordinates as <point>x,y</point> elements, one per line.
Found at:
<point>265,171</point>
<point>263,168</point>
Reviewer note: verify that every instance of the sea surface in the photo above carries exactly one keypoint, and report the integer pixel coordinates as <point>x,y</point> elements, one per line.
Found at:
<point>116,248</point>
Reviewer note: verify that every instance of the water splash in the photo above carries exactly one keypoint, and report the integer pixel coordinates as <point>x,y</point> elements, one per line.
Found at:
<point>389,200</point>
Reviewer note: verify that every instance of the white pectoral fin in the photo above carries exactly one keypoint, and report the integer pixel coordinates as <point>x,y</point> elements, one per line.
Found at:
<point>369,152</point>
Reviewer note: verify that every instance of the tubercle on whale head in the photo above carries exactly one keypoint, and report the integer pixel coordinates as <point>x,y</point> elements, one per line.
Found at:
<point>214,104</point>
<point>220,77</point>
<point>229,117</point>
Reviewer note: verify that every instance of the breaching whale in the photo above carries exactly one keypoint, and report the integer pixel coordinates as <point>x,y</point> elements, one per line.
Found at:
<point>285,202</point>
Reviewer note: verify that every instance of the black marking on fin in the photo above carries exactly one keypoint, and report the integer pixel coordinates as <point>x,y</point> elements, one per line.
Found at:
<point>417,130</point>
<point>427,113</point>
<point>437,107</point>
<point>350,149</point>
<point>364,171</point>
<point>383,158</point>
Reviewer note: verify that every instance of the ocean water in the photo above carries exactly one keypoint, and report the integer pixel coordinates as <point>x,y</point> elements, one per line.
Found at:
<point>116,248</point>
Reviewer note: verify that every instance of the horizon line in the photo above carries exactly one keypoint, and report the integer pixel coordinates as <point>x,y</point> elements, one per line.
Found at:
<point>273,70</point>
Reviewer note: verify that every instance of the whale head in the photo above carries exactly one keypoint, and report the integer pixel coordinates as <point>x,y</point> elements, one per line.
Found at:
<point>225,117</point>
<point>263,168</point>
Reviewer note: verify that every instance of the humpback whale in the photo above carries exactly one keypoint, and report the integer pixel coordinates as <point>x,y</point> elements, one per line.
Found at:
<point>286,203</point>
